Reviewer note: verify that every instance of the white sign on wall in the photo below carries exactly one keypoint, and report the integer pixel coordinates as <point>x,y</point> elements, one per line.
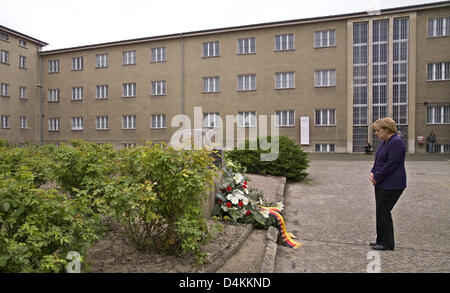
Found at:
<point>304,130</point>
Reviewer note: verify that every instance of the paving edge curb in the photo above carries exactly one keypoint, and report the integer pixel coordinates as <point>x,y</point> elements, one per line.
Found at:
<point>228,253</point>
<point>268,265</point>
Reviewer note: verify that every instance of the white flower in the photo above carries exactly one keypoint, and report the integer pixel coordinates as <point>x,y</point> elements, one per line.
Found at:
<point>224,208</point>
<point>238,178</point>
<point>245,201</point>
<point>235,200</point>
<point>229,196</point>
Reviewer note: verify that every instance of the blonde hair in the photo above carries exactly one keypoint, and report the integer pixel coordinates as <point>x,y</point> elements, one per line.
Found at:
<point>385,123</point>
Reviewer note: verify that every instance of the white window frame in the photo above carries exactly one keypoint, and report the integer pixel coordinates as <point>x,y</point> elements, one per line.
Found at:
<point>5,122</point>
<point>158,121</point>
<point>77,63</point>
<point>101,91</point>
<point>23,93</point>
<point>129,57</point>
<point>53,124</point>
<point>246,46</point>
<point>77,123</point>
<point>247,82</point>
<point>325,78</point>
<point>53,66</point>
<point>23,122</point>
<point>211,49</point>
<point>247,119</point>
<point>22,62</point>
<point>211,84</point>
<point>128,121</point>
<point>53,95</point>
<point>328,35</point>
<point>101,60</point>
<point>325,147</point>
<point>327,117</point>
<point>438,115</point>
<point>159,88</point>
<point>438,69</point>
<point>101,123</point>
<point>284,80</point>
<point>285,118</point>
<point>77,94</point>
<point>159,54</point>
<point>284,42</point>
<point>434,31</point>
<point>4,56</point>
<point>129,90</point>
<point>212,120</point>
<point>4,89</point>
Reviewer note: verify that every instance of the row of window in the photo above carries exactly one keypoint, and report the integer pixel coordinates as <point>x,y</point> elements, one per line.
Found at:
<point>5,37</point>
<point>284,42</point>
<point>4,58</point>
<point>158,121</point>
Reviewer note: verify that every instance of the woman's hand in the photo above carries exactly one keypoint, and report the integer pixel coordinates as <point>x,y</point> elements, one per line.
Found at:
<point>372,179</point>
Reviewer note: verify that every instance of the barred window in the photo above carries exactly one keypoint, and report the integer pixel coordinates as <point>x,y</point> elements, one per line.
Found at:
<point>211,49</point>
<point>438,27</point>
<point>4,57</point>
<point>438,115</point>
<point>324,147</point>
<point>284,42</point>
<point>247,82</point>
<point>23,62</point>
<point>23,93</point>
<point>285,80</point>
<point>159,54</point>
<point>246,46</point>
<point>438,71</point>
<point>285,118</point>
<point>158,121</point>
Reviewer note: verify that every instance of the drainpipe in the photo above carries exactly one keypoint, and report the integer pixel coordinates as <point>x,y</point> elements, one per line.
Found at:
<point>182,74</point>
<point>41,100</point>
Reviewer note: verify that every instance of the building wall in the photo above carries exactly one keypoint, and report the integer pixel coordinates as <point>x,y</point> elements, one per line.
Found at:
<point>434,93</point>
<point>16,77</point>
<point>185,68</point>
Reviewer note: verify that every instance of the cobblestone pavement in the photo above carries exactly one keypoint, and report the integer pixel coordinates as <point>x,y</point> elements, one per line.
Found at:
<point>333,215</point>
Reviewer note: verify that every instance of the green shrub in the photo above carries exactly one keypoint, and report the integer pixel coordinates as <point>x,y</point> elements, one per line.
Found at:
<point>291,163</point>
<point>39,227</point>
<point>158,196</point>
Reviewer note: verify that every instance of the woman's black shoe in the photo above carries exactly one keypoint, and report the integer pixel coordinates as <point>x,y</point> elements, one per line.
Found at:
<point>381,247</point>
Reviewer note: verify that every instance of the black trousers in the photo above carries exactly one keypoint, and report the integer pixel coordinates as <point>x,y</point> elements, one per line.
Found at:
<point>385,201</point>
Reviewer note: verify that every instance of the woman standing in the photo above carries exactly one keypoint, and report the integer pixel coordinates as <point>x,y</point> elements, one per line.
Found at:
<point>388,175</point>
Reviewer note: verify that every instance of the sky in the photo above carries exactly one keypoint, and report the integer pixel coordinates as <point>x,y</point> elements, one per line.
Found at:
<point>69,23</point>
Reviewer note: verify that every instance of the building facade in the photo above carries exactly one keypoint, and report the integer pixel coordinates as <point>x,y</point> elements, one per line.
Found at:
<point>324,79</point>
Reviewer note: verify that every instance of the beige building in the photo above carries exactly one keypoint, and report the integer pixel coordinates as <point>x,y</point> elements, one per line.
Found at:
<point>326,79</point>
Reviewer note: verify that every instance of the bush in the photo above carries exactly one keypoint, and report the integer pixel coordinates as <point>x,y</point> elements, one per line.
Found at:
<point>158,196</point>
<point>291,163</point>
<point>39,227</point>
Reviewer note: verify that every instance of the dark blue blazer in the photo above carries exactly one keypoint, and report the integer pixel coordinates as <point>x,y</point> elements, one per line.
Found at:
<point>389,167</point>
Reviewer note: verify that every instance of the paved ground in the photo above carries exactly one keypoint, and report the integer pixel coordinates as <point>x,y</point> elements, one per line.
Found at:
<point>333,215</point>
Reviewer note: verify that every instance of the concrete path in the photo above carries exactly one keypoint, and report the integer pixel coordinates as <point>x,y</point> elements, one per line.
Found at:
<point>333,215</point>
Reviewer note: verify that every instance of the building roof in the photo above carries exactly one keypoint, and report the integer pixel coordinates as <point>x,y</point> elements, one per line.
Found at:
<point>253,26</point>
<point>21,35</point>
